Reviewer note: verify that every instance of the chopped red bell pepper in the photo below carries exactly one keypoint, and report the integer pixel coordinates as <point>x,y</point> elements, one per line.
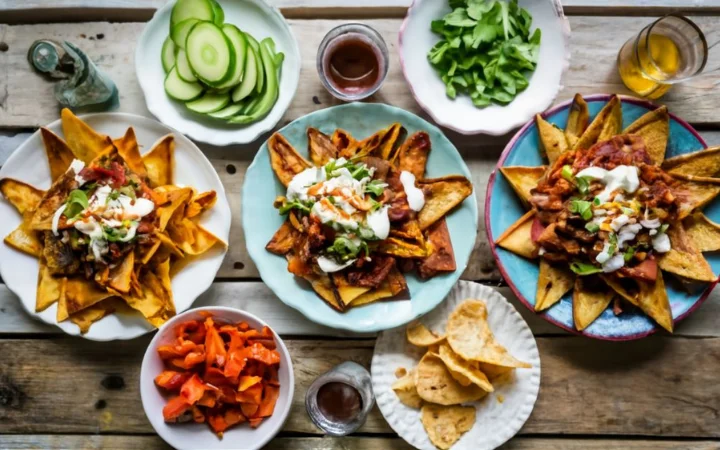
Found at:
<point>175,407</point>
<point>171,380</point>
<point>193,389</point>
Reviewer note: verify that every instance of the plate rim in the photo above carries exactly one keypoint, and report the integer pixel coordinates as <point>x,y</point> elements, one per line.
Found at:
<point>222,195</point>
<point>650,106</point>
<point>307,311</point>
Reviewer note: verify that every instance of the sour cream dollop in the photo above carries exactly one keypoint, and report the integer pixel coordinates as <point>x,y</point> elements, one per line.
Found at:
<point>329,265</point>
<point>415,196</point>
<point>621,177</point>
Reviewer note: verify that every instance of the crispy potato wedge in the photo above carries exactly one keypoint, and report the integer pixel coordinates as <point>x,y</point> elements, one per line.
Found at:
<point>321,147</point>
<point>393,285</point>
<point>523,179</point>
<point>589,301</point>
<point>695,192</point>
<point>442,256</point>
<point>554,281</point>
<point>283,239</point>
<point>651,298</point>
<point>654,128</point>
<point>606,124</point>
<point>344,290</point>
<point>367,146</point>
<point>49,290</point>
<point>160,162</point>
<point>442,195</point>
<point>401,248</point>
<point>21,195</point>
<point>284,159</point>
<point>390,143</point>
<point>703,163</point>
<point>59,154</point>
<point>552,139</point>
<point>130,151</point>
<point>578,120</point>
<point>86,143</point>
<point>517,238</point>
<point>344,142</point>
<point>413,154</point>
<point>684,259</point>
<point>703,233</point>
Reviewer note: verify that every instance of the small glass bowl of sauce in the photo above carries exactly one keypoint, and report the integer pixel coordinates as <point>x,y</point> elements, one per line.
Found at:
<point>339,401</point>
<point>352,61</point>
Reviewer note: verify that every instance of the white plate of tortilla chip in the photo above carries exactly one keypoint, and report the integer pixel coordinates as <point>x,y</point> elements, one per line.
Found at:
<point>499,415</point>
<point>29,164</point>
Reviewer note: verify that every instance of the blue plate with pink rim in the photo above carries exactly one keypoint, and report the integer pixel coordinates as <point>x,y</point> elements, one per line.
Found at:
<point>503,208</point>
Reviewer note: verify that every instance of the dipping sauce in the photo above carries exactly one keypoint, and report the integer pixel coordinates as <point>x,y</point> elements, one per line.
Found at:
<point>339,402</point>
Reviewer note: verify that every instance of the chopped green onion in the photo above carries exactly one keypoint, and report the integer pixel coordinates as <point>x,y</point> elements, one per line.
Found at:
<point>627,256</point>
<point>567,173</point>
<point>663,228</point>
<point>592,227</point>
<point>596,201</point>
<point>375,187</point>
<point>627,211</point>
<point>301,206</point>
<point>584,269</point>
<point>581,207</point>
<point>583,185</point>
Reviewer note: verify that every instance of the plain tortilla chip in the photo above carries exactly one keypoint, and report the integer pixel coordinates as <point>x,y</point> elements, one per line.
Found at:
<point>552,139</point>
<point>21,195</point>
<point>85,143</point>
<point>457,365</point>
<point>704,163</point>
<point>78,295</point>
<point>695,192</point>
<point>651,298</point>
<point>606,124</point>
<point>654,128</point>
<point>88,316</point>
<point>406,391</point>
<point>494,372</point>
<point>419,335</point>
<point>284,159</point>
<point>321,147</point>
<point>49,290</point>
<point>441,196</point>
<point>684,259</point>
<point>24,238</point>
<point>578,120</point>
<point>517,238</point>
<point>702,232</point>
<point>445,425</point>
<point>553,283</point>
<point>523,179</point>
<point>469,335</point>
<point>160,162</point>
<point>435,384</point>
<point>589,303</point>
<point>130,151</point>
<point>413,154</point>
<point>59,154</point>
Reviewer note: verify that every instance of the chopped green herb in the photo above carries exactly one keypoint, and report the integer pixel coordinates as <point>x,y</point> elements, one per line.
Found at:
<point>627,256</point>
<point>596,201</point>
<point>583,269</point>
<point>592,227</point>
<point>345,248</point>
<point>612,239</point>
<point>375,187</point>
<point>303,207</point>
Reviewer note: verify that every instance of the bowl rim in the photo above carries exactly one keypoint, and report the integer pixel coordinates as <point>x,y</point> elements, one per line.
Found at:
<point>216,311</point>
<point>565,23</point>
<point>650,106</point>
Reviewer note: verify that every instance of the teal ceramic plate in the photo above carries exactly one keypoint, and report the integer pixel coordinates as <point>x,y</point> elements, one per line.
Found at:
<point>503,208</point>
<point>261,220</point>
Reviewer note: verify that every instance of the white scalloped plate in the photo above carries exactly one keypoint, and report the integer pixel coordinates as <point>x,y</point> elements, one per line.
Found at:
<point>254,16</point>
<point>496,422</point>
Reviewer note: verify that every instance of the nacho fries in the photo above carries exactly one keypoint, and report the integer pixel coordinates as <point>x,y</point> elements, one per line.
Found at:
<point>111,228</point>
<point>361,212</point>
<point>610,214</point>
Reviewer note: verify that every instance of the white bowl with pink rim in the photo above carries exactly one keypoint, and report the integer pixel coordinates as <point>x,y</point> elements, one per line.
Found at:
<point>459,114</point>
<point>192,435</point>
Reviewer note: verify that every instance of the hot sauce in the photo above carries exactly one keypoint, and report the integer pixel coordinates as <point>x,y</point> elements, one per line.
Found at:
<point>339,402</point>
<point>353,64</point>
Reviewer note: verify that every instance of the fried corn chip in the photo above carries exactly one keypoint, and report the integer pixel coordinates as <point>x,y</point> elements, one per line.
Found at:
<point>552,139</point>
<point>445,425</point>
<point>654,128</point>
<point>703,163</point>
<point>406,391</point>
<point>24,238</point>
<point>78,295</point>
<point>200,203</point>
<point>119,277</point>
<point>606,124</point>
<point>578,120</point>
<point>174,207</point>
<point>160,162</point>
<point>553,283</point>
<point>389,144</point>
<point>321,147</point>
<point>368,146</point>
<point>441,196</point>
<point>702,232</point>
<point>49,290</point>
<point>651,298</point>
<point>442,256</point>
<point>684,259</point>
<point>413,154</point>
<point>695,193</point>
<point>469,335</point>
<point>284,159</point>
<point>418,334</point>
<point>192,238</point>
<point>283,239</point>
<point>435,384</point>
<point>392,285</point>
<point>517,238</point>
<point>457,365</point>
<point>59,154</point>
<point>21,195</point>
<point>130,151</point>
<point>401,248</point>
<point>344,290</point>
<point>494,372</point>
<point>343,141</point>
<point>86,143</point>
<point>323,287</point>
<point>88,316</point>
<point>523,179</point>
<point>53,199</point>
<point>589,301</point>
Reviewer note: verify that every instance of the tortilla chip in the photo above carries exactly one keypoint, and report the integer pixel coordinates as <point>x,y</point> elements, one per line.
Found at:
<point>456,364</point>
<point>367,146</point>
<point>177,199</point>
<point>120,274</point>
<point>703,163</point>
<point>283,240</point>
<point>388,147</point>
<point>78,295</point>
<point>53,199</point>
<point>552,139</point>
<point>523,179</point>
<point>21,195</point>
<point>651,298</point>
<point>492,371</point>
<point>553,282</point>
<point>343,141</point>
<point>684,259</point>
<point>192,238</point>
<point>49,288</point>
<point>323,287</point>
<point>445,425</point>
<point>24,238</point>
<point>589,302</point>
<point>469,335</point>
<point>417,334</point>
<point>344,290</point>
<point>413,154</point>
<point>130,151</point>
<point>406,391</point>
<point>284,159</point>
<point>85,318</point>
<point>401,248</point>
<point>654,128</point>
<point>320,147</point>
<point>695,192</point>
<point>703,233</point>
<point>441,196</point>
<point>517,238</point>
<point>200,203</point>
<point>435,384</point>
<point>59,154</point>
<point>391,286</point>
<point>606,124</point>
<point>442,256</point>
<point>578,120</point>
<point>86,143</point>
<point>160,161</point>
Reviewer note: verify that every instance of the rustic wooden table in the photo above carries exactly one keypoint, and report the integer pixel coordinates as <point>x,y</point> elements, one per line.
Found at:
<point>62,392</point>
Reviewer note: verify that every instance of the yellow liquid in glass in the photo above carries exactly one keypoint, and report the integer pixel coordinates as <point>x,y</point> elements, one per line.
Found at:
<point>659,60</point>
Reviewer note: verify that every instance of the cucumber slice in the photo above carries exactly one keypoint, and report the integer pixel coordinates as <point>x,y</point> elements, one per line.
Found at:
<point>191,9</point>
<point>219,13</point>
<point>180,89</point>
<point>209,103</point>
<point>237,38</point>
<point>183,67</point>
<point>251,102</point>
<point>227,111</point>
<point>210,53</point>
<point>168,54</point>
<point>261,75</point>
<point>179,32</point>
<point>250,73</point>
<point>270,95</point>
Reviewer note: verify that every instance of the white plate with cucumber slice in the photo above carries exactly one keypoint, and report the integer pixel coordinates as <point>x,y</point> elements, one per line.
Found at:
<point>221,71</point>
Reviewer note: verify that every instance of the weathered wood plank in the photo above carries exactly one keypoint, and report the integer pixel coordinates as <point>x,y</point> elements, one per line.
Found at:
<point>603,389</point>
